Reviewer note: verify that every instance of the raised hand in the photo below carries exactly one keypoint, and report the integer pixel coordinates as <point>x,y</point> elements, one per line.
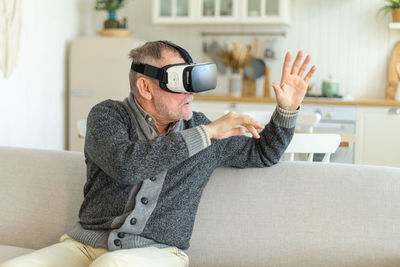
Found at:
<point>293,86</point>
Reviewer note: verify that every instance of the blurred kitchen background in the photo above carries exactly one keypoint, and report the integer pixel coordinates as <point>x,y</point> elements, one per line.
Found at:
<point>350,45</point>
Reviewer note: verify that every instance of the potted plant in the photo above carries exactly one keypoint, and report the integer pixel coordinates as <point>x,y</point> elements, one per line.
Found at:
<point>236,59</point>
<point>394,7</point>
<point>111,6</point>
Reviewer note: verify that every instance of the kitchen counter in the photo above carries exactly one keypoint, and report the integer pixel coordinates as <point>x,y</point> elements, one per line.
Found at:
<point>331,101</point>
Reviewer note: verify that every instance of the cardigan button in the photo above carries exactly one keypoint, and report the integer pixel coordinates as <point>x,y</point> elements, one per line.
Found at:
<point>144,200</point>
<point>117,242</point>
<point>153,179</point>
<point>133,221</point>
<point>121,234</point>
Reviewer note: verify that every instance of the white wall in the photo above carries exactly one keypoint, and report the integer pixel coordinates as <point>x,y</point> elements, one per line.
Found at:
<point>347,40</point>
<point>32,100</point>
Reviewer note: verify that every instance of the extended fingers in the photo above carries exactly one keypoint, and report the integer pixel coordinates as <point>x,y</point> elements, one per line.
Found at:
<point>236,131</point>
<point>240,130</point>
<point>239,122</point>
<point>310,74</point>
<point>248,121</point>
<point>304,66</point>
<point>296,69</point>
<point>253,131</point>
<point>296,63</point>
<point>252,125</point>
<point>286,64</point>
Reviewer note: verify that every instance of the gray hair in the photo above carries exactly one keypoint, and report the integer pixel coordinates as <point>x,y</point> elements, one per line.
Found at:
<point>149,53</point>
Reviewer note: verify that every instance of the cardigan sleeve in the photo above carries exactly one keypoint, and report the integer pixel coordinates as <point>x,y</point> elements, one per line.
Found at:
<point>245,152</point>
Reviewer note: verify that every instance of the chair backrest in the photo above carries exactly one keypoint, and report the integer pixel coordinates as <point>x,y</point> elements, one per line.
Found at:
<point>306,121</point>
<point>310,143</point>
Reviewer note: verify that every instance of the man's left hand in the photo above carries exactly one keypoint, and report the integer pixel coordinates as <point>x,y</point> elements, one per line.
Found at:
<point>293,86</point>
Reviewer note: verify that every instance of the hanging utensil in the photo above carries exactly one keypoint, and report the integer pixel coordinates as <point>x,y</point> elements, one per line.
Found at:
<point>256,67</point>
<point>212,50</point>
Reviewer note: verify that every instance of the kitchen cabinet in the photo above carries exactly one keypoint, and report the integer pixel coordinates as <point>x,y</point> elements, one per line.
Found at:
<point>377,136</point>
<point>265,11</point>
<point>217,11</point>
<point>173,11</point>
<point>221,11</point>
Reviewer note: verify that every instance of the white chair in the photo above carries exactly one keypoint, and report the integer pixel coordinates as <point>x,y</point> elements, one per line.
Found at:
<point>310,143</point>
<point>303,143</point>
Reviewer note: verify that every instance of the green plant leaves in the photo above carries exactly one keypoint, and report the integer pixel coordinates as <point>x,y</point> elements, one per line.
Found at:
<point>109,5</point>
<point>391,4</point>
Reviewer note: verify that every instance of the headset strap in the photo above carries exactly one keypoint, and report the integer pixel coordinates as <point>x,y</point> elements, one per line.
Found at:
<point>184,54</point>
<point>151,71</point>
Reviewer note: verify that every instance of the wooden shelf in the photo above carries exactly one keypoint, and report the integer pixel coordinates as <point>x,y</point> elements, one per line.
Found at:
<point>115,32</point>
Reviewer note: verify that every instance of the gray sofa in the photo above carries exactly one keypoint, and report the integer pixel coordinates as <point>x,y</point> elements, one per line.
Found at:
<point>291,214</point>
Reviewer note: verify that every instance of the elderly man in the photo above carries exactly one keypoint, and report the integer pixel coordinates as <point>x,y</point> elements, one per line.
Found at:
<point>149,159</point>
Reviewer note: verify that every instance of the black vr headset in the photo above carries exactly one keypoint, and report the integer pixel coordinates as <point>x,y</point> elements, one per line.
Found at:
<point>186,77</point>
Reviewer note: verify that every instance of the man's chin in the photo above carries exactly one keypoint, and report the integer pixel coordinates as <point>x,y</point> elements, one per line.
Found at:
<point>188,115</point>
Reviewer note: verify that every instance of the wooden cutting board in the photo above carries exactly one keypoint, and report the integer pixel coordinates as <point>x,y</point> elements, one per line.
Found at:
<point>249,87</point>
<point>393,78</point>
<point>266,82</point>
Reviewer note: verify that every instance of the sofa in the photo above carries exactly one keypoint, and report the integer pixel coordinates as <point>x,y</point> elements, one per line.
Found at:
<point>291,214</point>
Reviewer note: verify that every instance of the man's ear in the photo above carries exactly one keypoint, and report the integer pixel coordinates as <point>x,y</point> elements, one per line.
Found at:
<point>143,86</point>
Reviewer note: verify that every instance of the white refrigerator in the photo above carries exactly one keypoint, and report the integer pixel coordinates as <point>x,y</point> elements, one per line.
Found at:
<point>98,70</point>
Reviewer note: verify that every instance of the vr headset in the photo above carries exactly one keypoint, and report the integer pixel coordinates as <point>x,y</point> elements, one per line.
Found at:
<point>186,77</point>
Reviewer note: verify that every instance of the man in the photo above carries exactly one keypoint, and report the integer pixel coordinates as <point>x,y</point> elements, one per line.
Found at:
<point>148,160</point>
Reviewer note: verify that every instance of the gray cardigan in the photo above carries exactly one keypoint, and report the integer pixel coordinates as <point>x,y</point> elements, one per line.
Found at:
<point>143,191</point>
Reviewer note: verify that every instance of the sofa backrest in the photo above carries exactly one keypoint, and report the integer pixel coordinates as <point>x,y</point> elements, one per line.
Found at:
<point>40,195</point>
<point>291,214</point>
<point>299,214</point>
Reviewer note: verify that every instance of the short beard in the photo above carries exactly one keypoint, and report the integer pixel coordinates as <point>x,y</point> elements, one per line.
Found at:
<point>161,108</point>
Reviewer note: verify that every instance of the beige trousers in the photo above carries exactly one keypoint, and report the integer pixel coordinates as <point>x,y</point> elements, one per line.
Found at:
<point>71,253</point>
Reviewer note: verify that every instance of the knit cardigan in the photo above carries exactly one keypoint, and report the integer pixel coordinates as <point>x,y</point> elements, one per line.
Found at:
<point>143,191</point>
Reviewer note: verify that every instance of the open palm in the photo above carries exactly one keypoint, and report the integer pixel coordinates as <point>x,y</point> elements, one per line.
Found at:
<point>293,86</point>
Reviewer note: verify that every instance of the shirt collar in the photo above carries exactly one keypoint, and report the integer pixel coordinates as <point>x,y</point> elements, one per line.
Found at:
<point>151,121</point>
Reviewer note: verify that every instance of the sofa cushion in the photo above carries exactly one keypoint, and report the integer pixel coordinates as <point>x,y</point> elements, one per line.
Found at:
<point>8,252</point>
